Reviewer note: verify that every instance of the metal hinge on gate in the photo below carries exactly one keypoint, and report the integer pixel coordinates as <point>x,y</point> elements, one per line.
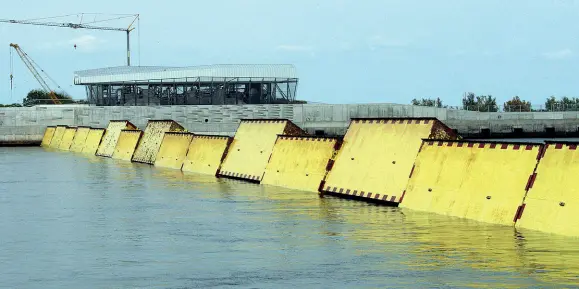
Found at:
<point>541,152</point>
<point>519,212</point>
<point>412,171</point>
<point>531,181</point>
<point>330,165</point>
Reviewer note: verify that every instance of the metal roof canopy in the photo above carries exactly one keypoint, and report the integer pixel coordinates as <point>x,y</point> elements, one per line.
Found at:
<point>209,73</point>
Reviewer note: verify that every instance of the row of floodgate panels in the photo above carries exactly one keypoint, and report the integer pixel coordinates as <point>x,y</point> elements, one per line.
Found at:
<point>415,163</point>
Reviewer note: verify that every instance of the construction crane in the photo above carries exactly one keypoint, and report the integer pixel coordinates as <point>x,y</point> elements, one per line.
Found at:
<point>135,17</point>
<point>32,67</point>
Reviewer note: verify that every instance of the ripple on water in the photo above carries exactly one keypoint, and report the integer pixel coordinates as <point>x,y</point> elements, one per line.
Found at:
<point>71,221</point>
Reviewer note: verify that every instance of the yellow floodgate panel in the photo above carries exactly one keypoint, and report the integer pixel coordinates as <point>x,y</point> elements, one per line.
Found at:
<point>377,155</point>
<point>299,163</point>
<point>552,203</point>
<point>57,137</point>
<point>93,140</point>
<point>205,154</point>
<point>79,139</point>
<point>127,143</point>
<point>109,140</point>
<point>252,146</point>
<point>67,138</point>
<point>150,143</point>
<point>475,180</point>
<point>173,150</point>
<point>48,134</point>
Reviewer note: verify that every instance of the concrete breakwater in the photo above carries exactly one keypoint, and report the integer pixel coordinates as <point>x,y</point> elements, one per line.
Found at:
<point>414,163</point>
<point>26,125</point>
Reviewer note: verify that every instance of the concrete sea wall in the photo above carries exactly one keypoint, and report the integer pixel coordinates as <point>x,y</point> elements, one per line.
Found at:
<point>26,125</point>
<point>414,163</point>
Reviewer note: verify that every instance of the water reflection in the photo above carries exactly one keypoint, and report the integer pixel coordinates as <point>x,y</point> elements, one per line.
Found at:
<point>152,227</point>
<point>428,242</point>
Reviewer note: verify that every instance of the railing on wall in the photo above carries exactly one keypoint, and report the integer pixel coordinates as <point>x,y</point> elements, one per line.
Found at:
<point>518,108</point>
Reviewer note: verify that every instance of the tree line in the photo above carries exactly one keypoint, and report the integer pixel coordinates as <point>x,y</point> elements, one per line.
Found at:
<point>470,101</point>
<point>37,96</point>
<point>488,103</point>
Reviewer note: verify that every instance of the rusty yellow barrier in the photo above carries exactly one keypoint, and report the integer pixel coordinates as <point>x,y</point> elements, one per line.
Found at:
<point>93,140</point>
<point>109,140</point>
<point>48,134</point>
<point>377,155</point>
<point>482,181</point>
<point>57,137</point>
<point>67,138</point>
<point>79,139</point>
<point>553,193</point>
<point>252,147</point>
<point>206,153</point>
<point>173,150</point>
<point>127,143</point>
<point>150,143</point>
<point>300,163</point>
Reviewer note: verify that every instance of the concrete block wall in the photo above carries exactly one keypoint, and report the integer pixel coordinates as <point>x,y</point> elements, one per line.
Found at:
<point>334,119</point>
<point>468,122</point>
<point>222,119</point>
<point>28,124</point>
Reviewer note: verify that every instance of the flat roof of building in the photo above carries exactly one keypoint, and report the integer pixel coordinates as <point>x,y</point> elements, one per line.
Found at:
<point>123,74</point>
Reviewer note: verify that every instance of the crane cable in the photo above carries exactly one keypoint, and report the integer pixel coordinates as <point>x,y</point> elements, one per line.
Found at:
<point>11,71</point>
<point>108,19</point>
<point>45,74</point>
<point>139,36</point>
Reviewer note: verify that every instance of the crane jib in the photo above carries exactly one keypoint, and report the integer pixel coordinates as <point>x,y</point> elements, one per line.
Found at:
<point>31,65</point>
<point>135,17</point>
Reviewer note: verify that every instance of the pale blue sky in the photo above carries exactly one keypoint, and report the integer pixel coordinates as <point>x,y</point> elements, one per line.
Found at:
<point>345,51</point>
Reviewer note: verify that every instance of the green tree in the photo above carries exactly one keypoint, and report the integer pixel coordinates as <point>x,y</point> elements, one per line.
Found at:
<point>37,96</point>
<point>427,102</point>
<point>487,103</point>
<point>563,104</point>
<point>550,103</point>
<point>516,105</point>
<point>11,105</point>
<point>470,101</point>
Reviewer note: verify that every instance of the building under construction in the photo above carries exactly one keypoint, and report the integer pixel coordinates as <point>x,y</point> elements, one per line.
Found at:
<point>197,85</point>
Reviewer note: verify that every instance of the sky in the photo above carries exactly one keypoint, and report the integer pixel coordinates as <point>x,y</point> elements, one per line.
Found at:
<point>345,51</point>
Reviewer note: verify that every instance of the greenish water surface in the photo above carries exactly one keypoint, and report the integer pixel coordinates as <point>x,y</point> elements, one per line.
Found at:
<point>75,221</point>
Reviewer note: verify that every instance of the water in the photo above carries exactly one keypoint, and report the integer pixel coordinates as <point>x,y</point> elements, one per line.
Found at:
<point>73,221</point>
